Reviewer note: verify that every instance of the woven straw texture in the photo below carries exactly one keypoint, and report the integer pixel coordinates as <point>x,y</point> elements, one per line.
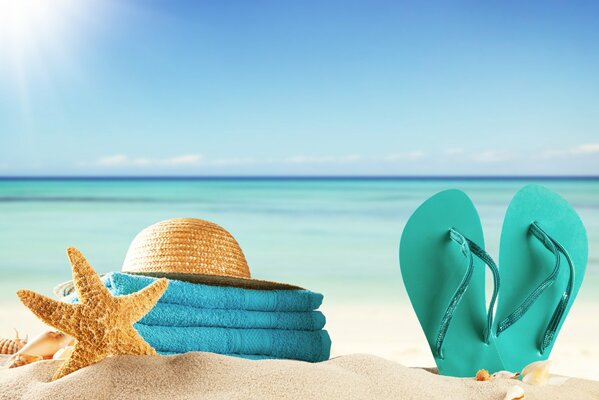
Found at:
<point>186,245</point>
<point>192,250</point>
<point>101,323</point>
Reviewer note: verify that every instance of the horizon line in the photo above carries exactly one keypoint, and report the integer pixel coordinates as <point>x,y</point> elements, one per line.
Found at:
<point>297,177</point>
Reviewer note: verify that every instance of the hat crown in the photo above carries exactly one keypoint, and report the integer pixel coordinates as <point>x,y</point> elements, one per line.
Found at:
<point>186,245</point>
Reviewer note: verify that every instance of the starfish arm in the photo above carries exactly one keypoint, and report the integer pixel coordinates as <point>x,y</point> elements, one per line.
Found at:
<point>87,282</point>
<point>55,313</point>
<point>138,304</point>
<point>82,356</point>
<point>131,342</point>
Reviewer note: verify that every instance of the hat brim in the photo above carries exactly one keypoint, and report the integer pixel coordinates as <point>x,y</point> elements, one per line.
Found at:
<point>66,288</point>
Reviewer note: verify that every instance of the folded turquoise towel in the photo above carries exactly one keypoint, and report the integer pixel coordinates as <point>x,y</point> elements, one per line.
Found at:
<point>298,345</point>
<point>166,314</point>
<point>220,297</point>
<point>247,323</point>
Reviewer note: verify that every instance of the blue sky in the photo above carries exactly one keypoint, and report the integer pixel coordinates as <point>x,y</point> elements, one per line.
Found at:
<point>299,88</point>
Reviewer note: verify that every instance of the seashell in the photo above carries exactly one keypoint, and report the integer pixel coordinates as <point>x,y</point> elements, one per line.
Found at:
<point>514,393</point>
<point>46,344</point>
<point>63,353</point>
<point>505,375</point>
<point>536,373</point>
<point>23,359</point>
<point>11,346</point>
<point>482,375</point>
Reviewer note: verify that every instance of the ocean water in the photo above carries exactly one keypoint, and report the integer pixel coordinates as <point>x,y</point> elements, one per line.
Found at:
<point>338,237</point>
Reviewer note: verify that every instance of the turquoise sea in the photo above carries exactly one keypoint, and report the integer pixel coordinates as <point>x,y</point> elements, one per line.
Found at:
<point>336,236</point>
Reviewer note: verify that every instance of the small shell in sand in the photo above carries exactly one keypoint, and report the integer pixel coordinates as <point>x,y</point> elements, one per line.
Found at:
<point>46,344</point>
<point>505,375</point>
<point>11,346</point>
<point>23,359</point>
<point>536,373</point>
<point>482,375</point>
<point>514,393</point>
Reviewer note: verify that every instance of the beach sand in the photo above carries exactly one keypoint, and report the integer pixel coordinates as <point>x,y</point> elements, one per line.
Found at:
<point>391,331</point>
<point>212,376</point>
<point>388,332</point>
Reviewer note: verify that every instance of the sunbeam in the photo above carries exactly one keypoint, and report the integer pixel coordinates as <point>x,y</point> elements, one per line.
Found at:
<point>35,35</point>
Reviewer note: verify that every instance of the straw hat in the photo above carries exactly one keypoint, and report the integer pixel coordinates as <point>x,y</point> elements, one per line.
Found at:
<point>192,250</point>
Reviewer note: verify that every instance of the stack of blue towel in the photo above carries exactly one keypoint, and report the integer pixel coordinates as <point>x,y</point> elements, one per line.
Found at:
<point>254,324</point>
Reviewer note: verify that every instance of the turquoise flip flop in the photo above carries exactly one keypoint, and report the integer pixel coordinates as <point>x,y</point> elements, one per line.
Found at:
<point>542,260</point>
<point>443,268</point>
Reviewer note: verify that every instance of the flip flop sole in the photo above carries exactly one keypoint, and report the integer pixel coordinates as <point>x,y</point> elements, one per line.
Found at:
<point>524,263</point>
<point>432,268</point>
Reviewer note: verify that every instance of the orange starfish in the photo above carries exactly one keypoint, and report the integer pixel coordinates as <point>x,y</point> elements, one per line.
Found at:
<point>101,323</point>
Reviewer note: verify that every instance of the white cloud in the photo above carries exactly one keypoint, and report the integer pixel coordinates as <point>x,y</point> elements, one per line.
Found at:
<point>580,150</point>
<point>407,156</point>
<point>111,161</point>
<point>588,148</point>
<point>122,160</point>
<point>322,159</point>
<point>224,162</point>
<point>188,159</point>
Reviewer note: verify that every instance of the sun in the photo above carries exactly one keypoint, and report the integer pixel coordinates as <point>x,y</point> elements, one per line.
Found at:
<point>26,24</point>
<point>35,34</point>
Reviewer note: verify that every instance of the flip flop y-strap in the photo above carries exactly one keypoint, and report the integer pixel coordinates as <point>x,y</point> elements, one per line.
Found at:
<point>468,248</point>
<point>556,248</point>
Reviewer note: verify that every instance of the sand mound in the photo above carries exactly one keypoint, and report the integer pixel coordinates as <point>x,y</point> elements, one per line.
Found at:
<point>211,376</point>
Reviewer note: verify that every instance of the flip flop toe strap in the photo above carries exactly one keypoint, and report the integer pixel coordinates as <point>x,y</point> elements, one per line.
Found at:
<point>560,310</point>
<point>555,248</point>
<point>468,248</point>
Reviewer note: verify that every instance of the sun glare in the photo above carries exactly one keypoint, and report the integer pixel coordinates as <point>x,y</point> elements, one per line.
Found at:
<point>25,24</point>
<point>35,34</point>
